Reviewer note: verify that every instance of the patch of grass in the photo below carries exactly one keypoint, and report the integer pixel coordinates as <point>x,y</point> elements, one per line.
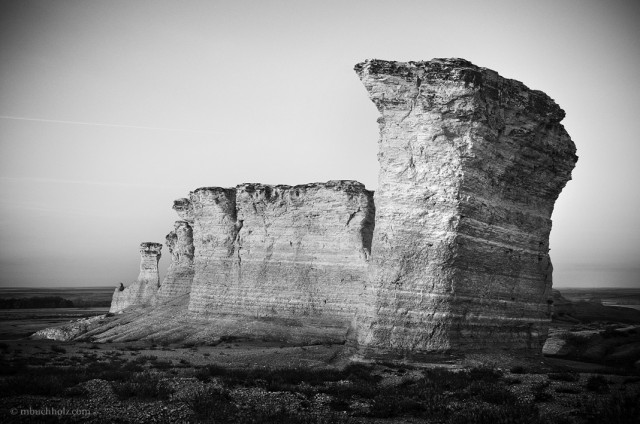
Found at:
<point>619,408</point>
<point>43,381</point>
<point>58,349</point>
<point>568,389</point>
<point>518,369</point>
<point>143,386</point>
<point>133,348</point>
<point>494,414</point>
<point>285,378</point>
<point>213,405</point>
<point>540,393</point>
<point>162,365</point>
<point>146,358</point>
<point>570,377</point>
<point>597,383</point>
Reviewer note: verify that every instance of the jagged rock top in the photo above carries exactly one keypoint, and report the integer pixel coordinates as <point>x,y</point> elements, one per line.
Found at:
<point>485,83</point>
<point>150,247</point>
<point>339,185</point>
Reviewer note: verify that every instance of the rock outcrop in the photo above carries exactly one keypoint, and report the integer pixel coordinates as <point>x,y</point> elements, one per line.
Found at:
<point>454,254</point>
<point>282,252</point>
<point>471,164</point>
<point>144,290</point>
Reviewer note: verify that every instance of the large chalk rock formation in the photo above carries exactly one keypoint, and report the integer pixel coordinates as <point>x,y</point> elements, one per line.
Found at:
<point>144,290</point>
<point>471,164</point>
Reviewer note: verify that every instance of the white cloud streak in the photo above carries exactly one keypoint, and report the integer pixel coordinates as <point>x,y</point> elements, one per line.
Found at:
<point>98,124</point>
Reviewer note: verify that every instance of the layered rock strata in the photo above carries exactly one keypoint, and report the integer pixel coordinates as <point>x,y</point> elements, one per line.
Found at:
<point>471,164</point>
<point>144,290</point>
<point>282,252</point>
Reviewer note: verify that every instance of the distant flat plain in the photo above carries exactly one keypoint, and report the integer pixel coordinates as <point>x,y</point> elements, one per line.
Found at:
<point>627,297</point>
<point>21,323</point>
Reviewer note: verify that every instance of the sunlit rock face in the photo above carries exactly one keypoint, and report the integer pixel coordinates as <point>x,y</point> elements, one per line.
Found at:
<point>144,290</point>
<point>282,252</point>
<point>471,164</point>
<point>179,276</point>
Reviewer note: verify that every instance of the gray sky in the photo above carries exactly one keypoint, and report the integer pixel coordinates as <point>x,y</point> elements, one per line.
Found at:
<point>109,110</point>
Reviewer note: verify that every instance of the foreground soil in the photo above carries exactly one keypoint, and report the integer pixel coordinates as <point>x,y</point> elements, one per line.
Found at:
<point>239,381</point>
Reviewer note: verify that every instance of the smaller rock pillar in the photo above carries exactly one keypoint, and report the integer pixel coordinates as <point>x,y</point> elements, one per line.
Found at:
<point>144,290</point>
<point>149,258</point>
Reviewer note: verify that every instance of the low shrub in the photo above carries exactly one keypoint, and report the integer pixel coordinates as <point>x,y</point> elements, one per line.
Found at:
<point>518,369</point>
<point>145,358</point>
<point>43,380</point>
<point>619,408</point>
<point>597,383</point>
<point>277,379</point>
<point>145,385</point>
<point>162,365</point>
<point>539,392</point>
<point>58,349</point>
<point>212,404</point>
<point>568,389</point>
<point>570,377</point>
<point>494,414</point>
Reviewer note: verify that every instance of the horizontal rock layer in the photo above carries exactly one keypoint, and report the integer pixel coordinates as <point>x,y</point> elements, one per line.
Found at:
<point>471,164</point>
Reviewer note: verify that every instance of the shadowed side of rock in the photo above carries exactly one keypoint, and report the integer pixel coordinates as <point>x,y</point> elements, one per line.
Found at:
<point>470,167</point>
<point>180,273</point>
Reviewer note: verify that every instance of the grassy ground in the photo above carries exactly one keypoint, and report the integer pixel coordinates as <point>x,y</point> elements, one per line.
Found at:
<point>239,381</point>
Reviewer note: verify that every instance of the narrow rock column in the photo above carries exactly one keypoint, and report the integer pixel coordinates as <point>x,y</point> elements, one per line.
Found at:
<point>470,167</point>
<point>149,258</point>
<point>214,234</point>
<point>143,291</point>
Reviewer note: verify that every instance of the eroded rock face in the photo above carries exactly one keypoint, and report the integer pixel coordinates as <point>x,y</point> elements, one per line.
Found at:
<point>471,164</point>
<point>282,252</point>
<point>145,288</point>
<point>179,276</point>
